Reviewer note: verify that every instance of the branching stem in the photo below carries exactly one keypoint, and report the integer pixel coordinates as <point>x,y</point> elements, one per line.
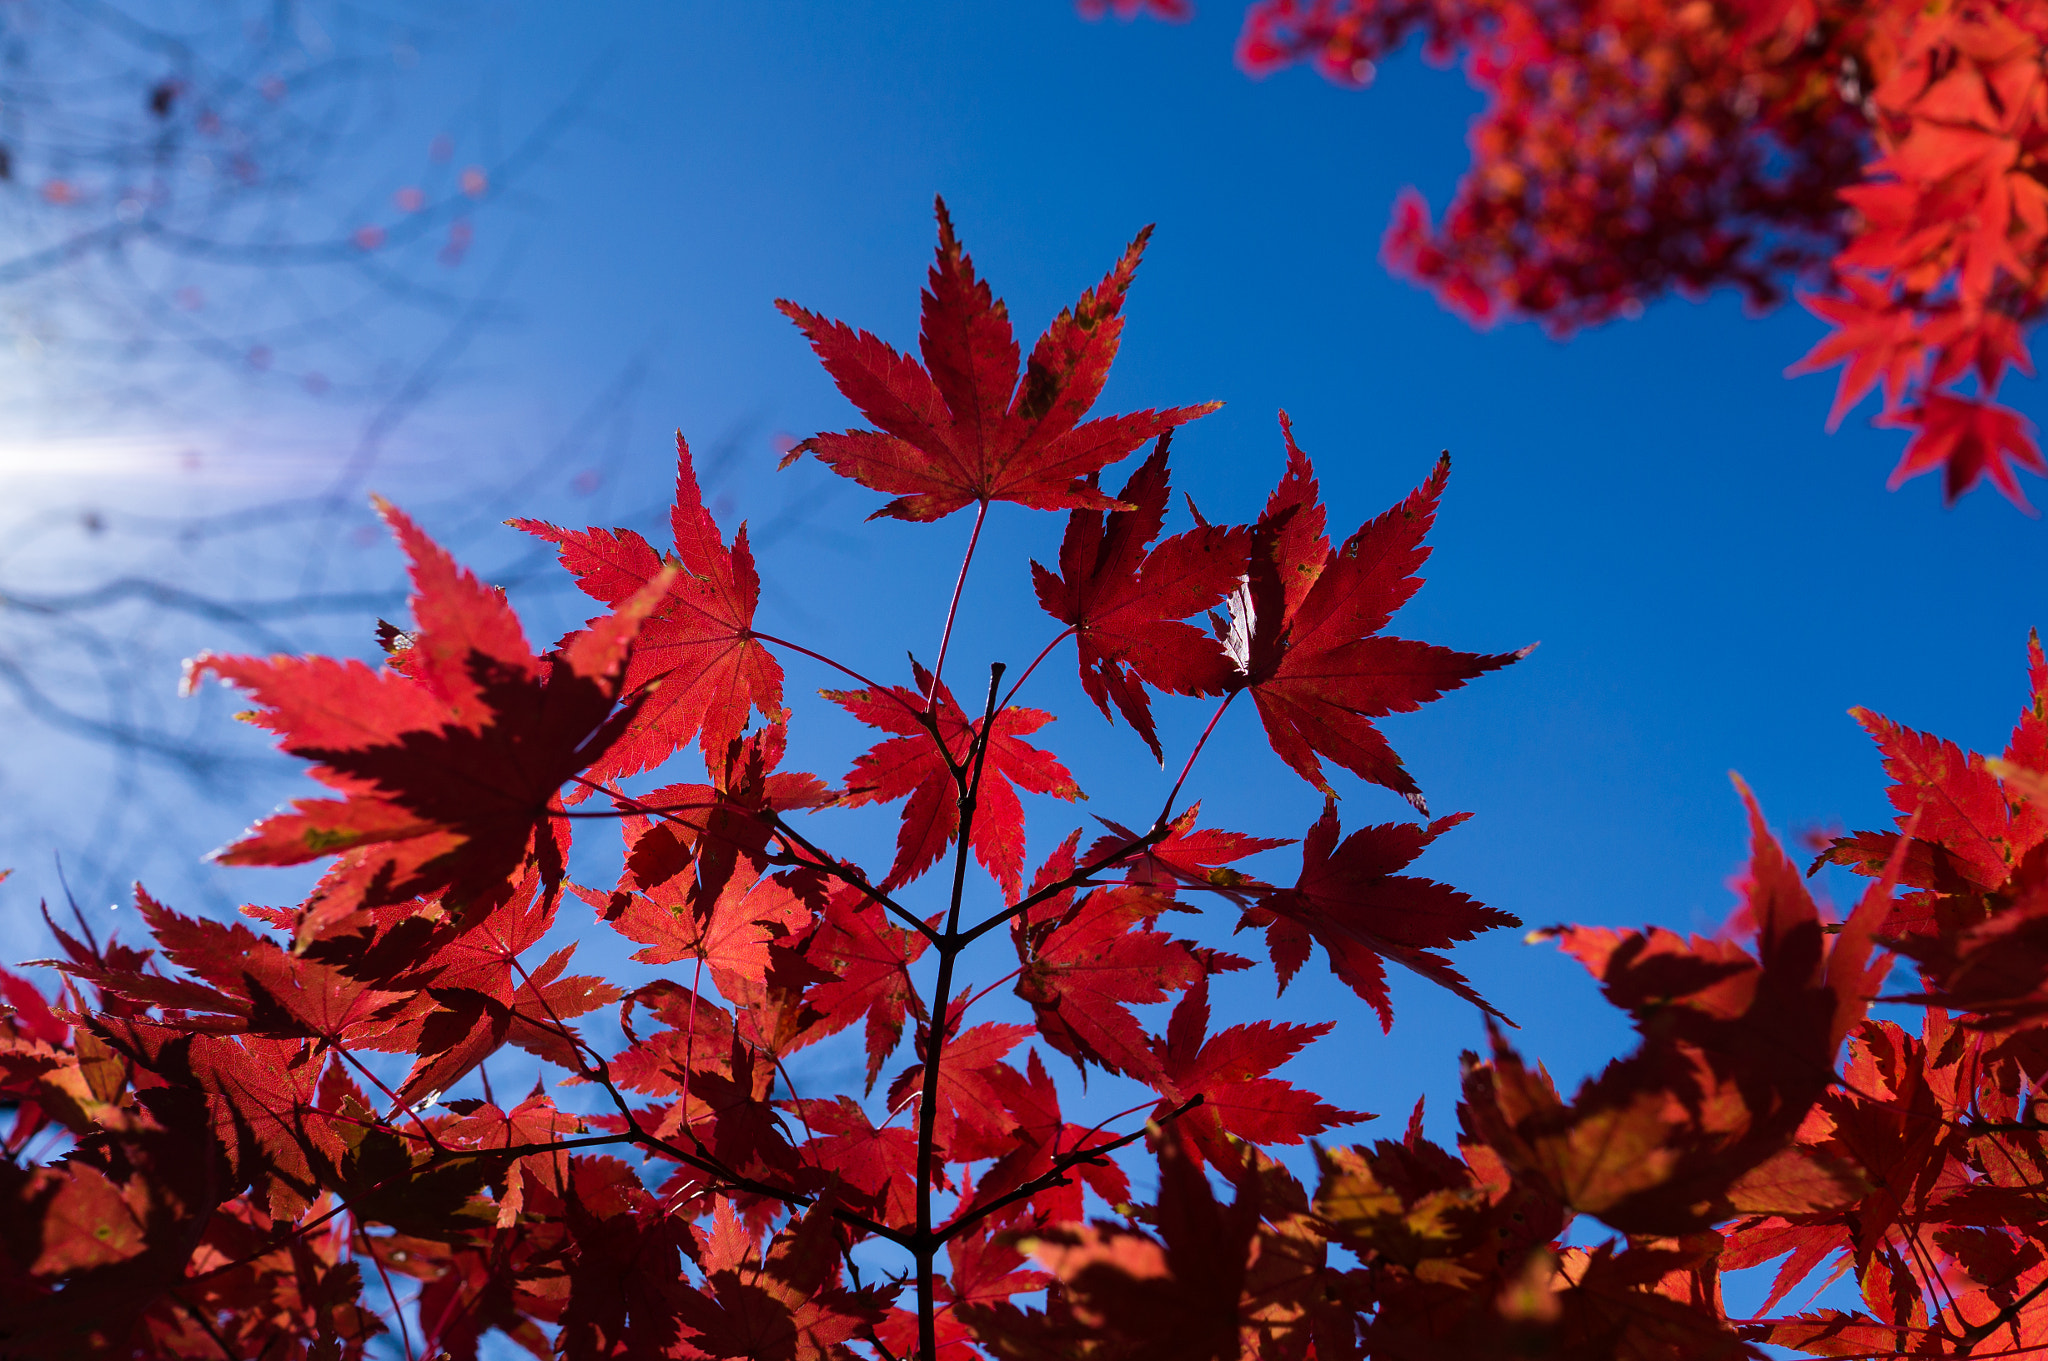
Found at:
<point>849,875</point>
<point>926,1244</point>
<point>1056,1175</point>
<point>1160,831</point>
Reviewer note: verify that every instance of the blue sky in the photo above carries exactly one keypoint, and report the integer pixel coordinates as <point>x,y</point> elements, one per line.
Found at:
<point>1713,579</point>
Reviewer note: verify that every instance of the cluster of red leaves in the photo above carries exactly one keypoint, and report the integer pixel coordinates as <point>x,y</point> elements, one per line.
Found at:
<point>247,1142</point>
<point>1888,154</point>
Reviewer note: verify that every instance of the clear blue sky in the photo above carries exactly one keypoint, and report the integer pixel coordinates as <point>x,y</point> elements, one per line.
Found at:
<point>1713,579</point>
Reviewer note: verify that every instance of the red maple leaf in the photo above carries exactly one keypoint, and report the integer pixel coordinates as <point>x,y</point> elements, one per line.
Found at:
<point>1350,899</point>
<point>961,428</point>
<point>1968,440</point>
<point>1041,1134</point>
<point>700,1032</point>
<point>866,960</point>
<point>1228,1070</point>
<point>1693,1127</point>
<point>1960,805</point>
<point>787,1305</point>
<point>451,760</point>
<point>625,1290</point>
<point>1131,1296</point>
<point>259,1099</point>
<point>533,1121</point>
<point>917,765</point>
<point>697,668</point>
<point>1187,858</point>
<point>970,1120</point>
<point>1877,338</point>
<point>1303,629</point>
<point>1082,971</point>
<point>1125,604</point>
<point>880,1164</point>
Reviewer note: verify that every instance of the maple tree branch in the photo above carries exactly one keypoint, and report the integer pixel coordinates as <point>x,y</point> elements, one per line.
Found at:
<point>1978,1332</point>
<point>199,1317</point>
<point>949,947</point>
<point>1056,1175</point>
<point>1044,652</point>
<point>1160,831</point>
<point>952,610</point>
<point>848,874</point>
<point>1166,813</point>
<point>396,1104</point>
<point>702,1160</point>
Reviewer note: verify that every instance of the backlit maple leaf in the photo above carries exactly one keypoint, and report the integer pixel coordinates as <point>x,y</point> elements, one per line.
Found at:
<point>1126,604</point>
<point>961,428</point>
<point>696,668</point>
<point>1877,338</point>
<point>1303,630</point>
<point>1041,1134</point>
<point>787,1304</point>
<point>451,759</point>
<point>1082,972</point>
<point>1187,858</point>
<point>1968,440</point>
<point>866,962</point>
<point>1176,1297</point>
<point>880,1164</point>
<point>1229,1071</point>
<point>915,764</point>
<point>1737,1047</point>
<point>970,1121</point>
<point>1350,899</point>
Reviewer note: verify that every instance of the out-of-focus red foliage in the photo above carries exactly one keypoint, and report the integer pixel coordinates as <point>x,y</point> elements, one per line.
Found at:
<point>1887,156</point>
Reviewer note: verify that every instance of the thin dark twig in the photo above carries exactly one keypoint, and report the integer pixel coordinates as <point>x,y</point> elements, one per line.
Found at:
<point>198,1316</point>
<point>1056,1174</point>
<point>390,1291</point>
<point>850,875</point>
<point>1077,879</point>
